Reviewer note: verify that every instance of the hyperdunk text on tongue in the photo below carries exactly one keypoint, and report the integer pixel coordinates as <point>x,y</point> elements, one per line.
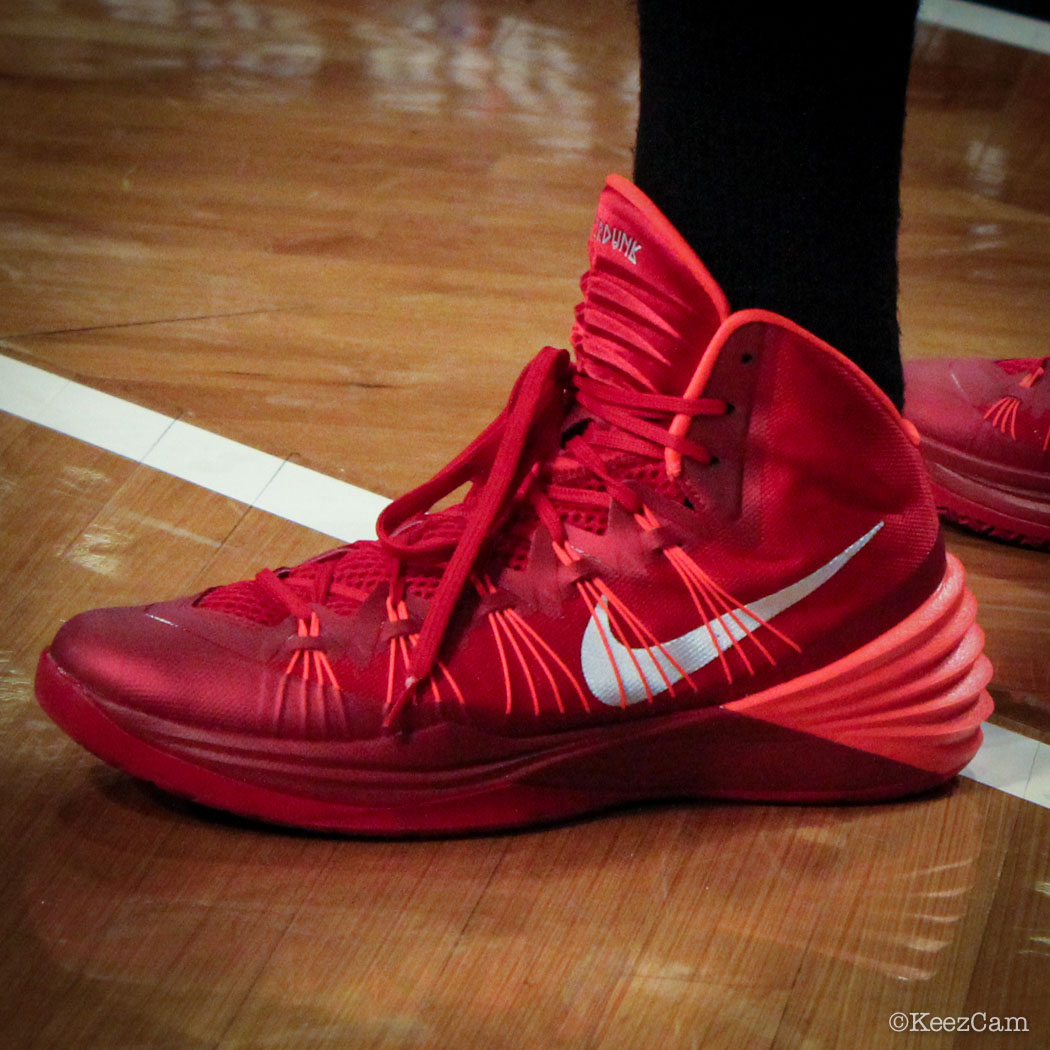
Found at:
<point>618,239</point>
<point>649,305</point>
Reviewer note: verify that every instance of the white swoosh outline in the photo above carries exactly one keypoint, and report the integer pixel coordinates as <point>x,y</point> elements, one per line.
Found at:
<point>642,668</point>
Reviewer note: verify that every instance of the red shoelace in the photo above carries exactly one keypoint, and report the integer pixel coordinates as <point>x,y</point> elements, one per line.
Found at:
<point>516,460</point>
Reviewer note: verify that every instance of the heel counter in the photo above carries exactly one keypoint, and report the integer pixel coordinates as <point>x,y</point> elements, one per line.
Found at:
<point>876,454</point>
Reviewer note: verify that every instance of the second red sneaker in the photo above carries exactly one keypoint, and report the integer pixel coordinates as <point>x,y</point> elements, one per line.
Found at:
<point>986,440</point>
<point>700,561</point>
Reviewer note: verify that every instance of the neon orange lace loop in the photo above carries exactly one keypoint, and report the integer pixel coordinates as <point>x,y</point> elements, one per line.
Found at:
<point>495,463</point>
<point>1037,373</point>
<point>277,589</point>
<point>512,461</point>
<point>505,464</point>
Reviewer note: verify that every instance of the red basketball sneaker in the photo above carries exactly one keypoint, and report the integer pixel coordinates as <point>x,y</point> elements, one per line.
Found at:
<point>986,440</point>
<point>700,562</point>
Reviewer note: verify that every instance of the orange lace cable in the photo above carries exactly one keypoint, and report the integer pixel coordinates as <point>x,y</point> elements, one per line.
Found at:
<point>500,461</point>
<point>1003,415</point>
<point>722,605</point>
<point>503,466</point>
<point>1037,373</point>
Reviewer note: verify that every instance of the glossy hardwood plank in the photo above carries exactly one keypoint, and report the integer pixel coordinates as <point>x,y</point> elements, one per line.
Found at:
<point>563,918</point>
<point>342,392</point>
<point>188,143</point>
<point>1013,967</point>
<point>913,937</point>
<point>109,902</point>
<point>77,524</point>
<point>360,964</point>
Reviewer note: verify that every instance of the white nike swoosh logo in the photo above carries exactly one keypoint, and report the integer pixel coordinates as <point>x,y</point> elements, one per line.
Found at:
<point>656,668</point>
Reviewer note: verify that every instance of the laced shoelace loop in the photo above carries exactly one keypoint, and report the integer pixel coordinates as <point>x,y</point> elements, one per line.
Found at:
<point>273,584</point>
<point>505,464</point>
<point>510,461</point>
<point>1037,373</point>
<point>628,414</point>
<point>495,464</point>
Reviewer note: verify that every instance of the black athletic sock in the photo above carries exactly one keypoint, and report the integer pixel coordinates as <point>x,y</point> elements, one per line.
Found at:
<point>770,135</point>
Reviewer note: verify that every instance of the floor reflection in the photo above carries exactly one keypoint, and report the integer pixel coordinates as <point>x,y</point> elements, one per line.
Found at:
<point>452,57</point>
<point>882,889</point>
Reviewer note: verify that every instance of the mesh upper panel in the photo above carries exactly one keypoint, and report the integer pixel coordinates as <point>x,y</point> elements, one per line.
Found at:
<point>246,600</point>
<point>363,567</point>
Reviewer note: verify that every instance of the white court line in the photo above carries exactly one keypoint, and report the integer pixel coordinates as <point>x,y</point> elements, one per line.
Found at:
<point>1008,761</point>
<point>172,446</point>
<point>1013,763</point>
<point>988,22</point>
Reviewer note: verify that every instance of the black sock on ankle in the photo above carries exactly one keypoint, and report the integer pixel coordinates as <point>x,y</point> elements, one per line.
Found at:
<point>770,135</point>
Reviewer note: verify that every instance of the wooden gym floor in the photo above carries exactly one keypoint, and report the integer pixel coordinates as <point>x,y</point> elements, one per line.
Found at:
<point>334,232</point>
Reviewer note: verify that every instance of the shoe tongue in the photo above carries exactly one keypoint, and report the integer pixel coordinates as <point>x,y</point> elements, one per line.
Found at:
<point>649,305</point>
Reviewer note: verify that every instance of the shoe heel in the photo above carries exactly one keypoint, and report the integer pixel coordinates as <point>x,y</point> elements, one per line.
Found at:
<point>913,698</point>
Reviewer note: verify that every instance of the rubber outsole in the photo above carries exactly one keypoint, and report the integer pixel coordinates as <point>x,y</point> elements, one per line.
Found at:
<point>984,521</point>
<point>899,716</point>
<point>965,519</point>
<point>1018,517</point>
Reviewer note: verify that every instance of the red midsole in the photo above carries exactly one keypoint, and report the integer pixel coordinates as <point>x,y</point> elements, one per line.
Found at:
<point>961,489</point>
<point>898,716</point>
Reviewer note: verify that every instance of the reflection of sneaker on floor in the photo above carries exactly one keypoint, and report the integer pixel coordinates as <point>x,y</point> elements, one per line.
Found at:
<point>702,562</point>
<point>986,440</point>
